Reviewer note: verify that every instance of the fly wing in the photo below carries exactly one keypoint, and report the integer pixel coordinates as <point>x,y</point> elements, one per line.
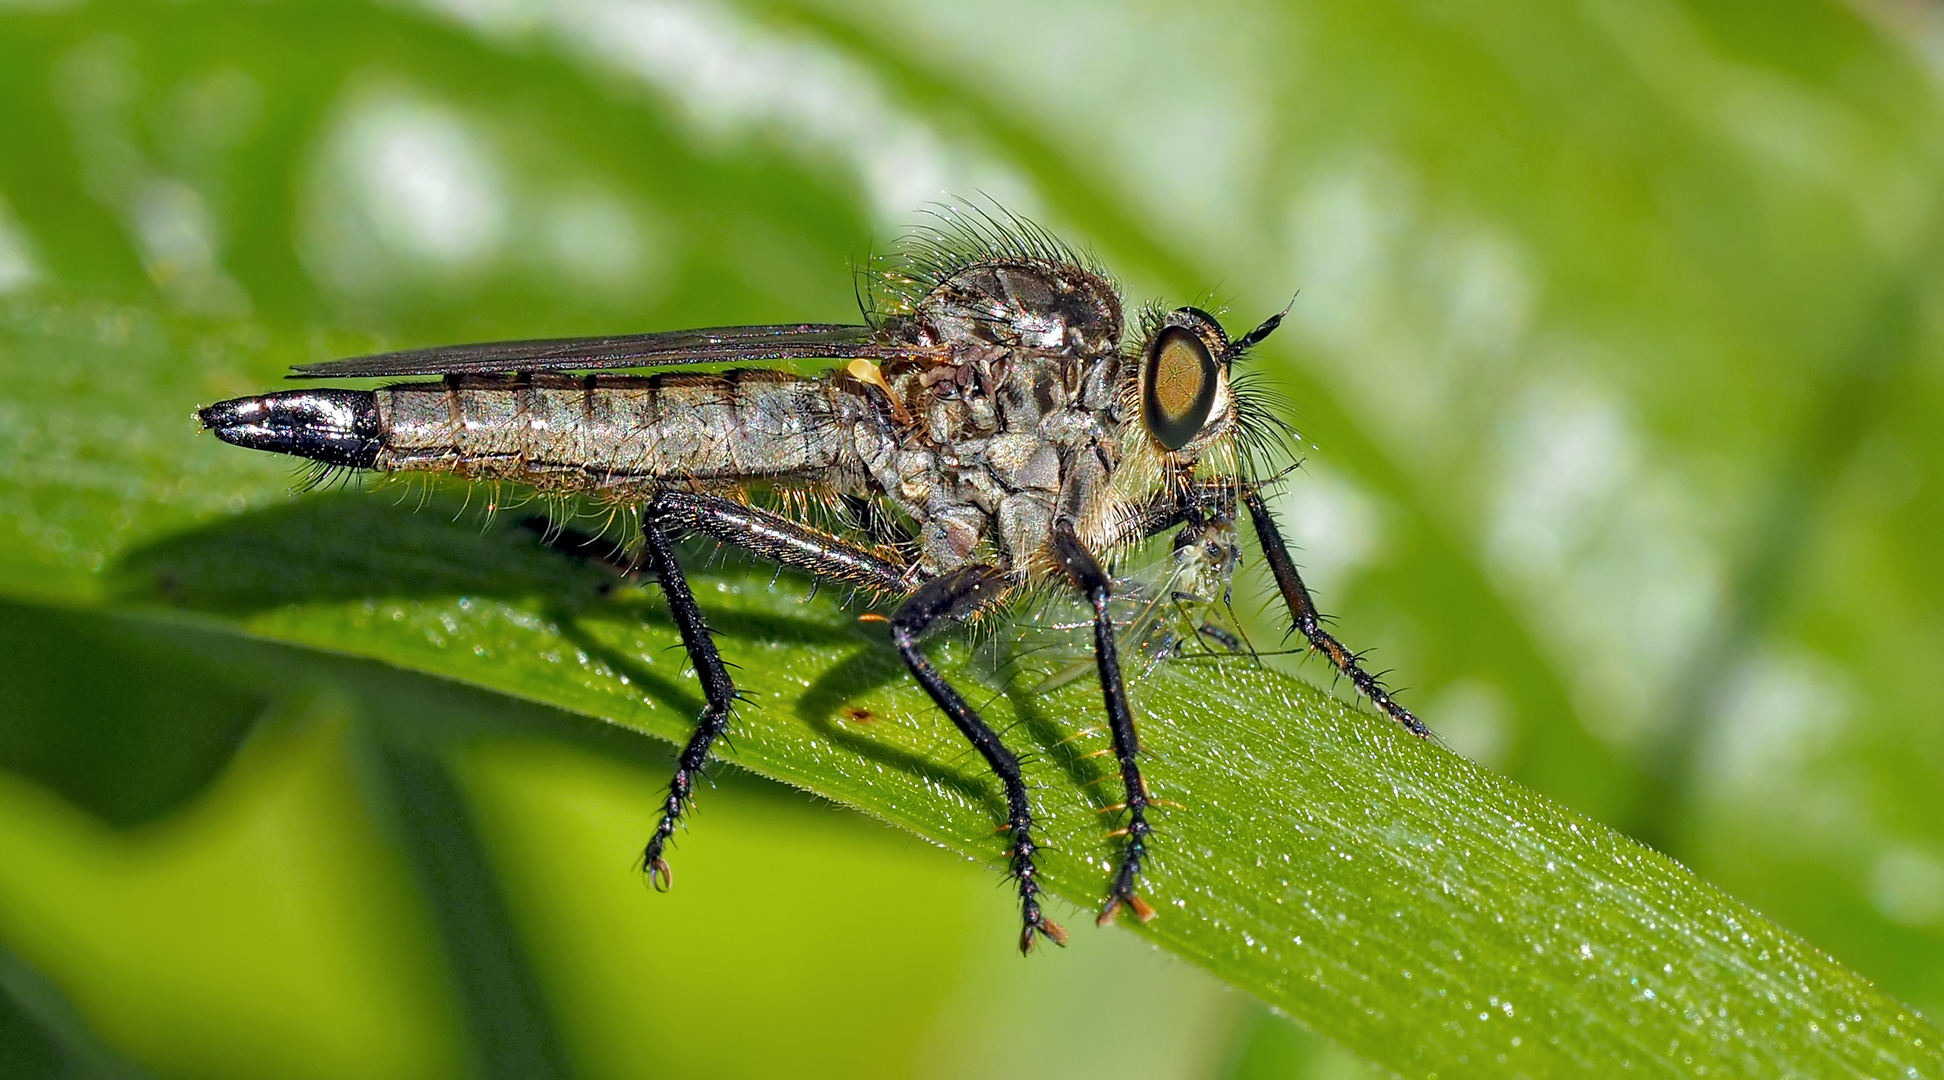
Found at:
<point>717,345</point>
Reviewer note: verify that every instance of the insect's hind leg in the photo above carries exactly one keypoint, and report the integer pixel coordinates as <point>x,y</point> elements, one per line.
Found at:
<point>950,596</point>
<point>1093,583</point>
<point>672,513</point>
<point>1303,611</point>
<point>718,690</point>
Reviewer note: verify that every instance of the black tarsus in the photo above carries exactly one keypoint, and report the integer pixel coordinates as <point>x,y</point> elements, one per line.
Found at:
<point>1084,571</point>
<point>1303,611</point>
<point>954,596</point>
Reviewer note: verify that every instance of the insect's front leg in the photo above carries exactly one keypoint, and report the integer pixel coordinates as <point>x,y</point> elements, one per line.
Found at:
<point>952,596</point>
<point>1303,611</point>
<point>1093,583</point>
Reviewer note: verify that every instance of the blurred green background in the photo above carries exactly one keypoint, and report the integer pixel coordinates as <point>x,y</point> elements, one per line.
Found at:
<point>1620,344</point>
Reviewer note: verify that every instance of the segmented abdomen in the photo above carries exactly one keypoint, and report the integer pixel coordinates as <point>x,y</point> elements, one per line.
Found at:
<point>603,432</point>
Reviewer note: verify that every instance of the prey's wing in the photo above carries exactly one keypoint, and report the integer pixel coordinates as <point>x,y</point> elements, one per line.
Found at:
<point>718,345</point>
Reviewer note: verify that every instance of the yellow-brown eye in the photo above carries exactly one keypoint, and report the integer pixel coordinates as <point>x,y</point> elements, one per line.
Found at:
<point>1177,387</point>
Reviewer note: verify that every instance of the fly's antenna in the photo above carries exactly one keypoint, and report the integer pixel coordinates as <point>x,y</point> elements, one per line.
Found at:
<point>1263,437</point>
<point>1254,337</point>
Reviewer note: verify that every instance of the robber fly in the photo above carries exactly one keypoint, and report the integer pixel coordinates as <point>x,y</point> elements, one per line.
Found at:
<point>987,426</point>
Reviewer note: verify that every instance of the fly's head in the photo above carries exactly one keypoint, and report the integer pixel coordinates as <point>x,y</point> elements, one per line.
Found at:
<point>1187,435</point>
<point>1187,423</point>
<point>1186,402</point>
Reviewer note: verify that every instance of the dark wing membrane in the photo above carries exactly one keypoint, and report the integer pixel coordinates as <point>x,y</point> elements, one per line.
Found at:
<point>717,345</point>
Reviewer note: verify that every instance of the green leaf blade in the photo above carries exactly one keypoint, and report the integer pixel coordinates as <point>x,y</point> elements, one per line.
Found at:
<point>1430,915</point>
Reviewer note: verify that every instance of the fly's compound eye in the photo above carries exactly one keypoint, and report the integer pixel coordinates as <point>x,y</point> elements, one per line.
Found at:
<point>1177,386</point>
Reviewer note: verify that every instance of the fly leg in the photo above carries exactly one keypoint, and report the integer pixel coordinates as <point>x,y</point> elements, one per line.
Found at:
<point>718,690</point>
<point>1087,576</point>
<point>1304,612</point>
<point>765,534</point>
<point>951,596</point>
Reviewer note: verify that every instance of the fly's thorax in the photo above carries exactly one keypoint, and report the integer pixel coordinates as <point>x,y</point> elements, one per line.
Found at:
<point>984,459</point>
<point>1010,434</point>
<point>618,434</point>
<point>1033,304</point>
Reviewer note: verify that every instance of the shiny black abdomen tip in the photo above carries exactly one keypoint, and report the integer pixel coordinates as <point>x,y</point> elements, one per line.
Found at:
<point>337,427</point>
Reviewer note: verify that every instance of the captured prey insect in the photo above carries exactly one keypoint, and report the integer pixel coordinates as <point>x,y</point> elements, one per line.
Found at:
<point>987,429</point>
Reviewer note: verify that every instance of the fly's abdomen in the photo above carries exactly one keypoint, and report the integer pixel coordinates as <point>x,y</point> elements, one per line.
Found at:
<point>596,432</point>
<point>337,427</point>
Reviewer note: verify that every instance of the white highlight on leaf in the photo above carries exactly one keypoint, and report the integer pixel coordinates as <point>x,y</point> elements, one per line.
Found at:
<point>1780,712</point>
<point>1474,718</point>
<point>1421,318</point>
<point>1426,321</point>
<point>17,266</point>
<point>180,245</point>
<point>1782,125</point>
<point>1919,26</point>
<point>173,228</point>
<point>592,237</point>
<point>1344,227</point>
<point>1172,107</point>
<point>1486,291</point>
<point>1597,543</point>
<point>1334,526</point>
<point>1567,454</point>
<point>1907,886</point>
<point>732,77</point>
<point>423,180</point>
<point>402,194</point>
<point>407,193</point>
<point>174,213</point>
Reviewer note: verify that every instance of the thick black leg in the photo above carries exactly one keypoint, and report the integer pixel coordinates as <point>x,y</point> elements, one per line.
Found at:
<point>672,513</point>
<point>954,595</point>
<point>717,689</point>
<point>1092,581</point>
<point>1304,612</point>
